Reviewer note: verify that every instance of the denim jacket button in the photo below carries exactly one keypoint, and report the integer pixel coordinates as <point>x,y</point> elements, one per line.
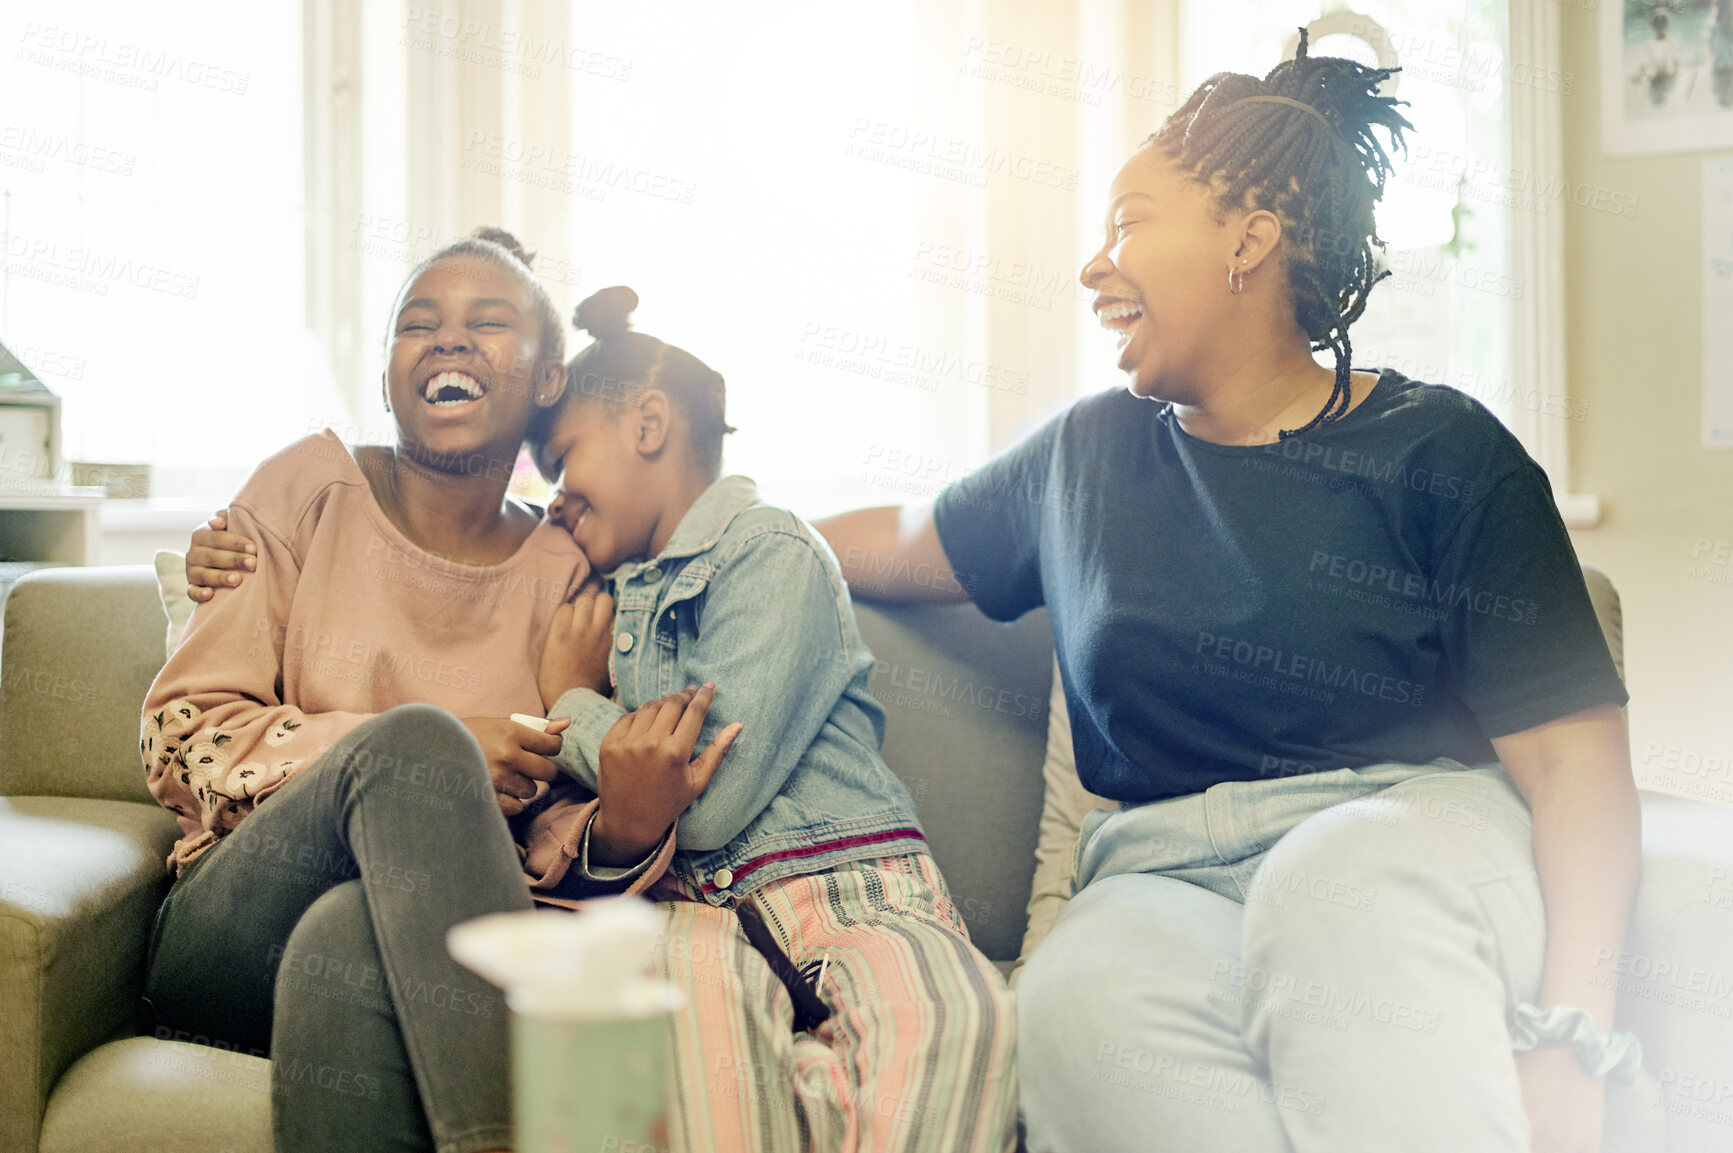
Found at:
<point>722,878</point>
<point>623,642</point>
<point>651,575</point>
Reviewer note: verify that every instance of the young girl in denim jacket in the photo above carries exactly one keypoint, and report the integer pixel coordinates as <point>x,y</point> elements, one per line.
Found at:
<point>833,998</point>
<point>802,827</point>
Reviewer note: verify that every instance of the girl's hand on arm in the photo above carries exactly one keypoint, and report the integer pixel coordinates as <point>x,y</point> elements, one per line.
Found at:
<point>217,558</point>
<point>648,776</point>
<point>517,755</point>
<point>580,637</point>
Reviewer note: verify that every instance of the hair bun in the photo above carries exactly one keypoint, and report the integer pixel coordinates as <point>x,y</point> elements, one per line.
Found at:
<point>506,241</point>
<point>607,312</point>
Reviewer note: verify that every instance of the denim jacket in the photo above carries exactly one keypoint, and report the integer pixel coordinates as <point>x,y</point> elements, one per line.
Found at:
<point>749,596</point>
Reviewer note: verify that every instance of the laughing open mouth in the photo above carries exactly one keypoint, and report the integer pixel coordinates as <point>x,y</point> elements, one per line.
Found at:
<point>449,388</point>
<point>1119,316</point>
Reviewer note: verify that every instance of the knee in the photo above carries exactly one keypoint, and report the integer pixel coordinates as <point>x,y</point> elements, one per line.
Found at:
<point>332,915</point>
<point>411,745</point>
<point>331,940</point>
<point>418,729</point>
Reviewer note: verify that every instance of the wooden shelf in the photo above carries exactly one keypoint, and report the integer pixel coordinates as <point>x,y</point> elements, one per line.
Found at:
<point>44,522</point>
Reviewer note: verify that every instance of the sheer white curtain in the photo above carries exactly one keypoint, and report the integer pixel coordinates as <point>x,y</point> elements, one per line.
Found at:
<point>1474,214</point>
<point>870,220</point>
<point>1442,315</point>
<point>883,216</point>
<point>410,110</point>
<point>151,201</point>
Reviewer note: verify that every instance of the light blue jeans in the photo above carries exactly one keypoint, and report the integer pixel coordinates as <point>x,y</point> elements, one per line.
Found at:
<point>1313,963</point>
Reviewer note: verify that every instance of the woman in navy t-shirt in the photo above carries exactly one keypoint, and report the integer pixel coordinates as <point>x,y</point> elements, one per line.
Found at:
<point>1324,638</point>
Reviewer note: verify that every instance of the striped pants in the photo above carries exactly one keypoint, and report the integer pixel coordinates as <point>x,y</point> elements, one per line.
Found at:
<point>918,1053</point>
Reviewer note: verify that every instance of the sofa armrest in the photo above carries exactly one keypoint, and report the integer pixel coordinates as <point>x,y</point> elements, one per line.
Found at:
<point>1675,975</point>
<point>80,883</point>
<point>1609,613</point>
<point>82,646</point>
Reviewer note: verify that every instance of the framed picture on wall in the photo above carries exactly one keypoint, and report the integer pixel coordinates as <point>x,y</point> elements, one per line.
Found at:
<point>1666,75</point>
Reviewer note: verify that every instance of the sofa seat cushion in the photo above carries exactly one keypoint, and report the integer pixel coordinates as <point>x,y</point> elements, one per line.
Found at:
<point>80,882</point>
<point>142,1095</point>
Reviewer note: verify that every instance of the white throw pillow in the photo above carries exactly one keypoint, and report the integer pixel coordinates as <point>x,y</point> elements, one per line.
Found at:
<point>171,580</point>
<point>1065,805</point>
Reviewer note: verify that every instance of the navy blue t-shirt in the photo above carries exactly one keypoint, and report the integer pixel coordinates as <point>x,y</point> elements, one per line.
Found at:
<point>1397,586</point>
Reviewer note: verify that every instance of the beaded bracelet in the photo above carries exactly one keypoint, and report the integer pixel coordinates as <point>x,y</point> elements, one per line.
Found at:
<point>1618,1054</point>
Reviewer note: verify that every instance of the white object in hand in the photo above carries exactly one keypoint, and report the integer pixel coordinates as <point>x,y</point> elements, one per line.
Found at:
<point>539,724</point>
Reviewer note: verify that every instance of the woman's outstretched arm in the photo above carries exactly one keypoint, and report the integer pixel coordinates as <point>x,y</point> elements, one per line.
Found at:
<point>889,553</point>
<point>1575,773</point>
<point>893,553</point>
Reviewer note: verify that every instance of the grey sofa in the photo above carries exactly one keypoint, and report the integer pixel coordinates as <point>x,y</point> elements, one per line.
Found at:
<point>82,848</point>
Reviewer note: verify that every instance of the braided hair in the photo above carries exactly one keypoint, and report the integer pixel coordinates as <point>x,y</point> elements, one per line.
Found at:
<point>1299,143</point>
<point>622,365</point>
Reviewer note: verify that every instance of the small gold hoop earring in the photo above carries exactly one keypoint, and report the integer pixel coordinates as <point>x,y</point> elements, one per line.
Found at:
<point>1235,287</point>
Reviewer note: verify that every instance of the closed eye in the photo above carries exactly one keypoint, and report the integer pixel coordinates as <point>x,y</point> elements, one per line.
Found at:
<point>552,463</point>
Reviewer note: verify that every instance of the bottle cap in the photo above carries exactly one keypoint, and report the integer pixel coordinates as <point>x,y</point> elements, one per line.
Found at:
<point>591,965</point>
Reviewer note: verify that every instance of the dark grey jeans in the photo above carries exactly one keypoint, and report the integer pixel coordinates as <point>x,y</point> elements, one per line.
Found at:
<point>316,932</point>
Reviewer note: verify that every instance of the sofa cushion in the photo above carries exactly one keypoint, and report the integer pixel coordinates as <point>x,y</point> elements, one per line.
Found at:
<point>82,646</point>
<point>1064,805</point>
<point>142,1095</point>
<point>1609,612</point>
<point>966,721</point>
<point>171,580</point>
<point>80,882</point>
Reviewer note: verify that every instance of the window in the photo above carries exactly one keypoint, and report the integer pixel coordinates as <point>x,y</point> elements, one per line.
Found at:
<point>150,159</point>
<point>863,217</point>
<point>1444,313</point>
<point>764,203</point>
<point>869,220</point>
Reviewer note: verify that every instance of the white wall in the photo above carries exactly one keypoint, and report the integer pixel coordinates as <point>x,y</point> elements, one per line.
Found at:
<point>1635,322</point>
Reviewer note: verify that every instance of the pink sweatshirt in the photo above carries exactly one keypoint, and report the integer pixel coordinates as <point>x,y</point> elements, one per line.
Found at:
<point>345,618</point>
